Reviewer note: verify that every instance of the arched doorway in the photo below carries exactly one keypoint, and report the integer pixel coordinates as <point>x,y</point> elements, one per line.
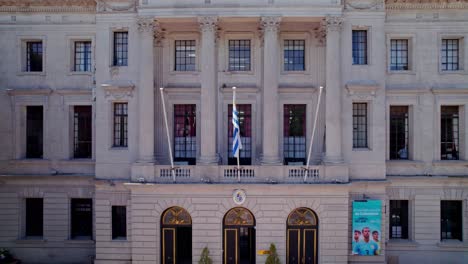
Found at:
<point>239,237</point>
<point>301,237</point>
<point>176,236</point>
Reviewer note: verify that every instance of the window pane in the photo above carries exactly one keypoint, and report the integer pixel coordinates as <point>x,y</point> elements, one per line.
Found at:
<point>34,217</point>
<point>120,48</point>
<point>359,125</point>
<point>185,55</point>
<point>82,131</point>
<point>294,133</point>
<point>360,47</point>
<point>81,218</point>
<point>451,220</point>
<point>239,55</point>
<point>399,132</point>
<point>245,119</point>
<point>119,222</point>
<point>399,219</point>
<point>399,54</point>
<point>82,56</point>
<point>34,56</point>
<point>185,133</point>
<point>294,57</point>
<point>449,54</point>
<point>34,132</point>
<point>449,133</point>
<point>120,125</point>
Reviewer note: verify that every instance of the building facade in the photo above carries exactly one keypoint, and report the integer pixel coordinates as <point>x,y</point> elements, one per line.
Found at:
<point>85,166</point>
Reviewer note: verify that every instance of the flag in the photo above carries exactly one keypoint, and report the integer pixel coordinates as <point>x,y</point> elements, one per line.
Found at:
<point>236,139</point>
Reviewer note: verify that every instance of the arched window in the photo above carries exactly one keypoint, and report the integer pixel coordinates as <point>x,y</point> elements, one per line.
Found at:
<point>176,236</point>
<point>239,236</point>
<point>302,236</point>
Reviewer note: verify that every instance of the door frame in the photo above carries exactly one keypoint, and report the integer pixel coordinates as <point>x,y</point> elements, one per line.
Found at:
<point>236,227</point>
<point>302,227</point>
<point>174,226</point>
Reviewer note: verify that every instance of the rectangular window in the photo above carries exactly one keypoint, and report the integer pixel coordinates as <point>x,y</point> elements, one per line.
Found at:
<point>34,56</point>
<point>120,49</point>
<point>119,222</point>
<point>399,132</point>
<point>82,131</point>
<point>399,219</point>
<point>34,132</point>
<point>449,133</point>
<point>82,56</point>
<point>120,124</point>
<point>359,125</point>
<point>294,134</point>
<point>81,218</point>
<point>450,53</point>
<point>451,220</point>
<point>34,216</point>
<point>245,124</point>
<point>185,133</point>
<point>359,47</point>
<point>185,55</point>
<point>399,55</point>
<point>239,55</point>
<point>294,55</point>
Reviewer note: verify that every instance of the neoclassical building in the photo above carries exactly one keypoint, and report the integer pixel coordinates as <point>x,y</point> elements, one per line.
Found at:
<point>85,160</point>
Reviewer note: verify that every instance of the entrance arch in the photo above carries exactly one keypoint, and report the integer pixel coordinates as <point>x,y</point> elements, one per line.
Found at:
<point>239,236</point>
<point>301,237</point>
<point>176,236</point>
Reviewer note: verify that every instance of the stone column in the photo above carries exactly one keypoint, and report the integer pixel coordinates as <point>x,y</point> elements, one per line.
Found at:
<point>333,90</point>
<point>208,28</point>
<point>270,27</point>
<point>146,90</point>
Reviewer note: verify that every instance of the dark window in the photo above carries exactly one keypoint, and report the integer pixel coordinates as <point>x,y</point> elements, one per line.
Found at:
<point>399,132</point>
<point>451,220</point>
<point>450,55</point>
<point>359,125</point>
<point>294,130</point>
<point>34,132</point>
<point>34,216</point>
<point>399,55</point>
<point>359,47</point>
<point>185,55</point>
<point>399,219</point>
<point>120,48</point>
<point>34,56</point>
<point>120,124</point>
<point>82,56</point>
<point>82,218</point>
<point>245,124</point>
<point>294,55</point>
<point>185,131</point>
<point>239,55</point>
<point>119,222</point>
<point>82,131</point>
<point>449,136</point>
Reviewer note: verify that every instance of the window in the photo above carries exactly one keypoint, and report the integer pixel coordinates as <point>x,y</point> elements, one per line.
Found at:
<point>294,134</point>
<point>185,55</point>
<point>399,219</point>
<point>34,132</point>
<point>34,56</point>
<point>120,49</point>
<point>359,47</point>
<point>81,218</point>
<point>185,131</point>
<point>450,53</point>
<point>82,132</point>
<point>82,56</point>
<point>449,137</point>
<point>120,124</point>
<point>399,132</point>
<point>119,222</point>
<point>399,55</point>
<point>359,125</point>
<point>245,124</point>
<point>451,220</point>
<point>294,55</point>
<point>239,55</point>
<point>34,217</point>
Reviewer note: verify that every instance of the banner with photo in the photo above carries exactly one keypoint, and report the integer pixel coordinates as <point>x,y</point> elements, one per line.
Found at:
<point>367,224</point>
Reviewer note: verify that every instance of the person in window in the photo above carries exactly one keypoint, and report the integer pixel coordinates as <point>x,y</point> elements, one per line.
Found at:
<point>403,153</point>
<point>366,247</point>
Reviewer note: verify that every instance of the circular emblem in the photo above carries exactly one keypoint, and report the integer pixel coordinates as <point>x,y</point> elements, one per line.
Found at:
<point>239,196</point>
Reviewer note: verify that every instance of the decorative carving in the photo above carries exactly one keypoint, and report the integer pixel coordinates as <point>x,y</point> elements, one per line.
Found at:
<point>145,24</point>
<point>239,216</point>
<point>47,6</point>
<point>321,34</point>
<point>114,71</point>
<point>270,24</point>
<point>332,23</point>
<point>426,4</point>
<point>119,90</point>
<point>176,216</point>
<point>302,217</point>
<point>116,5</point>
<point>159,34</point>
<point>364,4</point>
<point>208,23</point>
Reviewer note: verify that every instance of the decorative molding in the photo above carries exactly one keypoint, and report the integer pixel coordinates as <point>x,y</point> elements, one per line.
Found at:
<point>119,90</point>
<point>364,5</point>
<point>270,23</point>
<point>53,6</point>
<point>159,34</point>
<point>426,4</point>
<point>29,91</point>
<point>104,6</point>
<point>333,23</point>
<point>362,89</point>
<point>146,24</point>
<point>208,23</point>
<point>321,34</point>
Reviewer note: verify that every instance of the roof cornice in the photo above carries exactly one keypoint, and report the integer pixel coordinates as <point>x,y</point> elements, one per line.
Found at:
<point>47,6</point>
<point>426,4</point>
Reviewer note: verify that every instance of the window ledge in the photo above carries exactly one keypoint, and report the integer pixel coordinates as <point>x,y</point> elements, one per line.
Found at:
<point>30,161</point>
<point>22,73</point>
<point>31,240</point>
<point>227,72</point>
<point>120,240</point>
<point>461,72</point>
<point>81,73</point>
<point>411,72</point>
<point>403,162</point>
<point>300,73</point>
<point>450,162</point>
<point>78,161</point>
<point>361,149</point>
<point>452,243</point>
<point>185,73</point>
<point>118,148</point>
<point>401,243</point>
<point>80,241</point>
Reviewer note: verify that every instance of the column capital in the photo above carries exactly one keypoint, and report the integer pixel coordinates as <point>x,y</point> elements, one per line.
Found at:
<point>146,24</point>
<point>159,35</point>
<point>332,23</point>
<point>208,23</point>
<point>270,23</point>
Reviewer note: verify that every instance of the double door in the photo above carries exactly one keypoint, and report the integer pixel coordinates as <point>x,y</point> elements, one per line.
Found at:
<point>301,246</point>
<point>239,245</point>
<point>177,245</point>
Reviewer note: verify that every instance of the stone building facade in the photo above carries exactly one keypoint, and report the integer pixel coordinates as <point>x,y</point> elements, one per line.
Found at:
<point>85,171</point>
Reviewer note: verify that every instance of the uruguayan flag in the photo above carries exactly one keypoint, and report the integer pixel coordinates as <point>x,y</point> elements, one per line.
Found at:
<point>236,139</point>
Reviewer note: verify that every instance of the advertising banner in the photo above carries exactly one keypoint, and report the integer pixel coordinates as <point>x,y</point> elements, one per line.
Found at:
<point>367,218</point>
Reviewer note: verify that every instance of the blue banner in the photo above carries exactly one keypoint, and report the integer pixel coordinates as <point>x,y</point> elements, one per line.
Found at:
<point>367,224</point>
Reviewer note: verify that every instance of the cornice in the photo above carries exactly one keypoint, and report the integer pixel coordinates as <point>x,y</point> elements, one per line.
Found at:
<point>426,4</point>
<point>52,6</point>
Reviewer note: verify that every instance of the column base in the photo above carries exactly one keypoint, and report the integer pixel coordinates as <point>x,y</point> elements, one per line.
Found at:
<point>208,160</point>
<point>271,160</point>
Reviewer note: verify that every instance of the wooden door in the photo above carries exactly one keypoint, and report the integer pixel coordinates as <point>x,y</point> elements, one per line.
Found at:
<point>169,254</point>
<point>230,246</point>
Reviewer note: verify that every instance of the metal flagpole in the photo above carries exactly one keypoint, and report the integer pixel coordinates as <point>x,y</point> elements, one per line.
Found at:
<point>313,133</point>
<point>234,107</point>
<point>168,136</point>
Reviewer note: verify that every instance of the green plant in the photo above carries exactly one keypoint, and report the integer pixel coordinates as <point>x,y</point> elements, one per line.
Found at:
<point>5,256</point>
<point>205,257</point>
<point>273,256</point>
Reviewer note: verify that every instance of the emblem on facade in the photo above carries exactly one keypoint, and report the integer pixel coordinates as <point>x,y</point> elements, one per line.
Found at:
<point>239,196</point>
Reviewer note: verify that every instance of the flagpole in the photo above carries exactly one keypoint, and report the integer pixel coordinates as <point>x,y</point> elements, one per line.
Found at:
<point>313,133</point>
<point>238,154</point>
<point>168,136</point>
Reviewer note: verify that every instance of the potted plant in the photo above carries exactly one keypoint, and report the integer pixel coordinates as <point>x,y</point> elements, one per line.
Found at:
<point>205,257</point>
<point>273,256</point>
<point>6,257</point>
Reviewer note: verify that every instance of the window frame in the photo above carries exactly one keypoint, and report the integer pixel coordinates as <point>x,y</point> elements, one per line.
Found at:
<point>26,235</point>
<point>120,145</point>
<point>390,232</point>
<point>407,134</point>
<point>125,223</point>
<point>22,54</point>
<point>27,154</point>
<point>367,48</point>
<point>295,159</point>
<point>253,51</point>
<point>368,119</point>
<point>459,135</point>
<point>462,53</point>
<point>461,219</point>
<point>186,159</point>
<point>113,48</point>
<point>72,232</point>
<point>411,53</point>
<point>73,124</point>
<point>304,57</point>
